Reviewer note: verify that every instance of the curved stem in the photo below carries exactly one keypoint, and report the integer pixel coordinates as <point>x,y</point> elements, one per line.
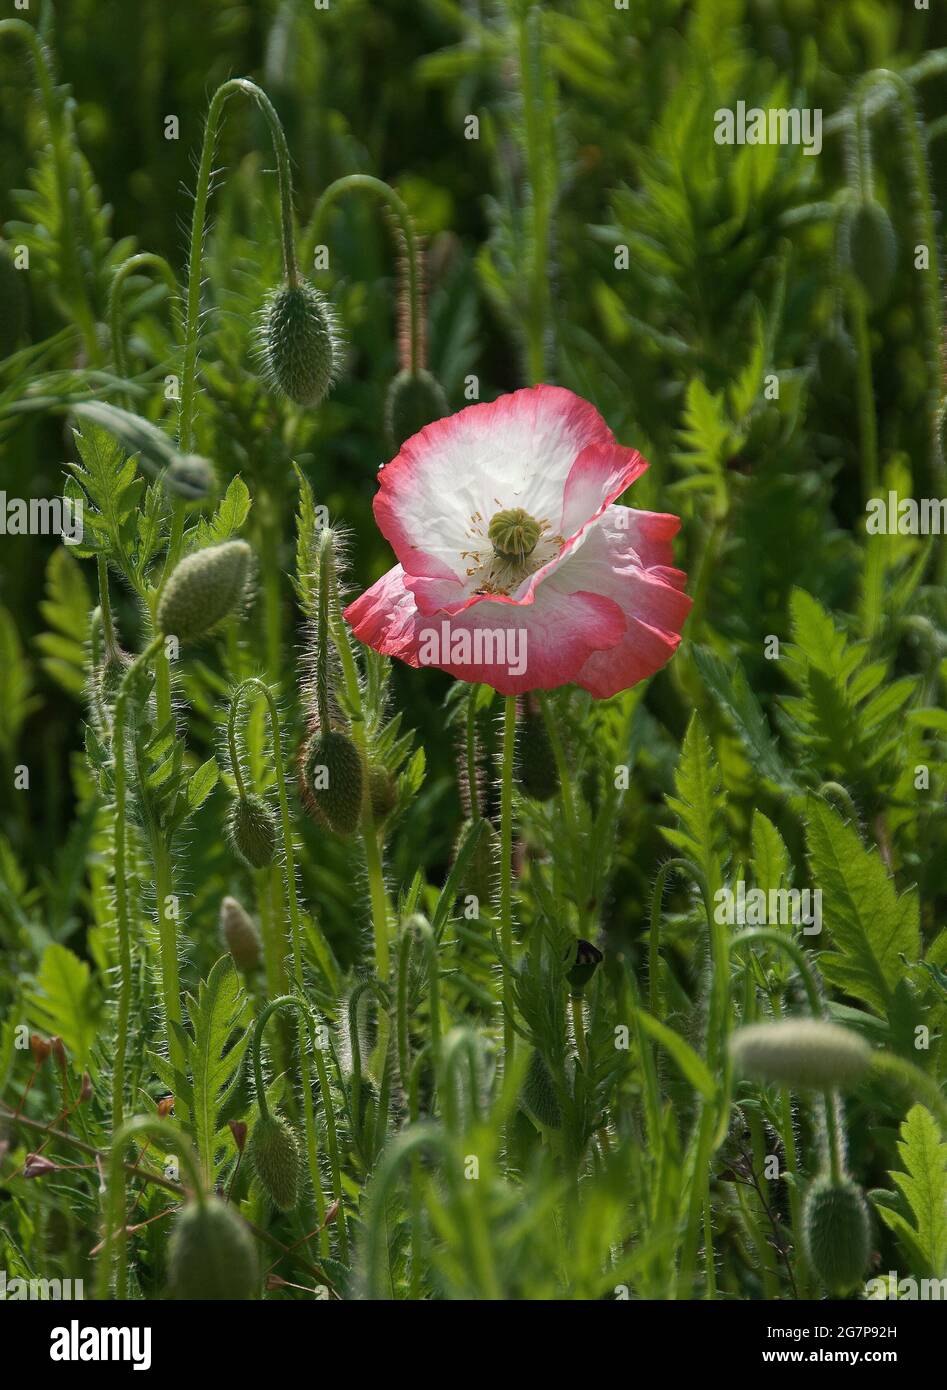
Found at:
<point>155,1128</point>
<point>918,1082</point>
<point>368,184</point>
<point>196,255</point>
<point>798,956</point>
<point>144,259</point>
<point>305,1025</point>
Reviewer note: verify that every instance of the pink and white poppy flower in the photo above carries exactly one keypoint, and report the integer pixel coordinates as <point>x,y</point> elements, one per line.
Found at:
<point>515,566</point>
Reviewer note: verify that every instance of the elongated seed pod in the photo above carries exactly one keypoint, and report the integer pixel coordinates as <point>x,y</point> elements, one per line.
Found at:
<point>274,1154</point>
<point>332,776</point>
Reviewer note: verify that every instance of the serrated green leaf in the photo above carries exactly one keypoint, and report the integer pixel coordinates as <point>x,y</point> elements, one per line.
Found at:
<point>923,1183</point>
<point>869,925</point>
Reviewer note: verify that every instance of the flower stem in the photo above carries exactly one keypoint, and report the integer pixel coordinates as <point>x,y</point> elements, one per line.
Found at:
<point>141,261</point>
<point>196,254</point>
<point>537,122</point>
<point>369,184</point>
<point>506,871</point>
<point>122,918</point>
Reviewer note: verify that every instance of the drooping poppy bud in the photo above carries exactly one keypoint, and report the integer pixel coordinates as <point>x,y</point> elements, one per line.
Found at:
<point>274,1154</point>
<point>300,342</point>
<point>836,1232</point>
<point>240,935</point>
<point>332,781</point>
<point>251,830</point>
<point>211,1255</point>
<point>415,399</point>
<point>808,1053</point>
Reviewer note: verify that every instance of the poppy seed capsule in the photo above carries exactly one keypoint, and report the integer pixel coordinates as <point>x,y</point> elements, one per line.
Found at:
<point>239,935</point>
<point>211,1255</point>
<point>539,1094</point>
<point>808,1053</point>
<point>414,399</point>
<point>332,771</point>
<point>204,588</point>
<point>836,1232</point>
<point>274,1154</point>
<point>251,830</point>
<point>300,342</point>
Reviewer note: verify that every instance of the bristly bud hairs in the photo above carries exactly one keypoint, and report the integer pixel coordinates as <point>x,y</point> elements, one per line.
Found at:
<point>300,342</point>
<point>806,1053</point>
<point>331,771</point>
<point>203,590</point>
<point>273,1149</point>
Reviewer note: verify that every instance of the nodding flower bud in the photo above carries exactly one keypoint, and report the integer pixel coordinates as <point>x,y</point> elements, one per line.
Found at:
<point>539,1094</point>
<point>383,791</point>
<point>536,770</point>
<point>239,935</point>
<point>59,1052</point>
<point>870,249</point>
<point>251,830</point>
<point>203,589</point>
<point>190,476</point>
<point>808,1053</point>
<point>40,1048</point>
<point>300,342</point>
<point>165,1106</point>
<point>239,1131</point>
<point>274,1154</point>
<point>586,959</point>
<point>211,1255</point>
<point>836,1232</point>
<point>414,399</point>
<point>332,781</point>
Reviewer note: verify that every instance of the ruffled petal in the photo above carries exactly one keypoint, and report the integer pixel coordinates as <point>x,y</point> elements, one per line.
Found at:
<point>543,449</point>
<point>650,596</point>
<point>513,648</point>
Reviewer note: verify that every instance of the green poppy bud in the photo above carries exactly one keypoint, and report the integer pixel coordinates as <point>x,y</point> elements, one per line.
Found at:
<point>836,1232</point>
<point>240,935</point>
<point>300,342</point>
<point>203,590</point>
<point>332,781</point>
<point>539,1094</point>
<point>586,959</point>
<point>414,400</point>
<point>251,830</point>
<point>807,1053</point>
<point>211,1255</point>
<point>274,1154</point>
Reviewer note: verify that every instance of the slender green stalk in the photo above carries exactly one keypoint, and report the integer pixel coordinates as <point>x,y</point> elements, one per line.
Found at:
<point>196,254</point>
<point>473,790</point>
<point>122,915</point>
<point>378,896</point>
<point>537,125</point>
<point>369,184</point>
<point>865,394</point>
<point>506,871</point>
<point>320,945</point>
<point>562,767</point>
